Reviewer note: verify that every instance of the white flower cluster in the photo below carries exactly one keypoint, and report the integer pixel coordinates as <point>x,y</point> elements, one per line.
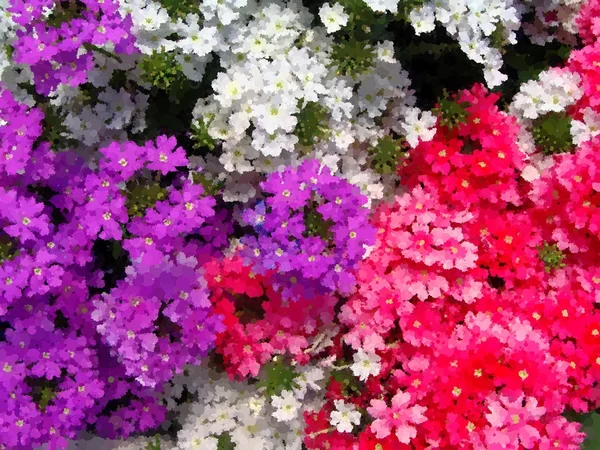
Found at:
<point>7,33</point>
<point>472,23</point>
<point>252,419</point>
<point>104,118</point>
<point>274,67</point>
<point>553,91</point>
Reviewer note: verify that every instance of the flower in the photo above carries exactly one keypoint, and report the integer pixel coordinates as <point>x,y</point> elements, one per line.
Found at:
<point>397,418</point>
<point>333,17</point>
<point>344,417</point>
<point>365,364</point>
<point>286,406</point>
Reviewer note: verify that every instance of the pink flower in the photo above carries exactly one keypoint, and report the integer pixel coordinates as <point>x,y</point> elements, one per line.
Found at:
<point>511,421</point>
<point>397,418</point>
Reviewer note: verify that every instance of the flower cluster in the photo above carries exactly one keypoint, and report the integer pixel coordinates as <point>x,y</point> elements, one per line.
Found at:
<point>312,227</point>
<point>57,39</point>
<point>235,223</point>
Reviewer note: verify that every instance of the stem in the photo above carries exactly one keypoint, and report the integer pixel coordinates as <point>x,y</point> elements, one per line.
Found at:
<point>102,51</point>
<point>317,433</point>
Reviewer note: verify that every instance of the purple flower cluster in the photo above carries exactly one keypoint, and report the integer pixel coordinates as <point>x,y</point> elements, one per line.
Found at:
<point>58,46</point>
<point>69,360</point>
<point>20,126</point>
<point>158,320</point>
<point>312,228</point>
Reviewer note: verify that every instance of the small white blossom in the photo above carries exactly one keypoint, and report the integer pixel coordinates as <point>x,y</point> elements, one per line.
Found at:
<point>418,128</point>
<point>344,417</point>
<point>333,17</point>
<point>365,364</point>
<point>286,406</point>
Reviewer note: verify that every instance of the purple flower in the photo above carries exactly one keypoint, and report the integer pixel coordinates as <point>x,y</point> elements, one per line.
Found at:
<point>165,156</point>
<point>312,226</point>
<point>22,216</point>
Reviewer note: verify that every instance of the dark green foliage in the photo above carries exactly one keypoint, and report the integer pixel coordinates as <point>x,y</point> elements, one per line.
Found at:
<point>363,22</point>
<point>65,11</point>
<point>42,391</point>
<point>524,61</point>
<point>311,126</point>
<point>10,50</point>
<point>552,133</point>
<point>315,224</point>
<point>8,250</point>
<point>143,196</point>
<point>351,384</point>
<point>200,135</point>
<point>450,112</point>
<point>590,426</point>
<point>161,69</point>
<point>387,154</point>
<point>277,376</point>
<point>181,8</point>
<point>406,6</point>
<point>53,128</point>
<point>435,63</point>
<point>224,442</point>
<point>352,57</point>
<point>211,186</point>
<point>552,256</point>
<point>497,37</point>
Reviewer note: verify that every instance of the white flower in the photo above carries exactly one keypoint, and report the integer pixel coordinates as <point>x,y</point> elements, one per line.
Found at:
<point>344,417</point>
<point>334,18</point>
<point>418,129</point>
<point>200,41</point>
<point>586,130</point>
<point>422,19</point>
<point>229,87</point>
<point>383,5</point>
<point>256,404</point>
<point>196,442</point>
<point>385,52</point>
<point>286,406</point>
<point>365,364</point>
<point>530,173</point>
<point>151,18</point>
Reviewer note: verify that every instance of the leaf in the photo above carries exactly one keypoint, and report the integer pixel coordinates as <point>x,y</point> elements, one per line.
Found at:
<point>277,376</point>
<point>591,427</point>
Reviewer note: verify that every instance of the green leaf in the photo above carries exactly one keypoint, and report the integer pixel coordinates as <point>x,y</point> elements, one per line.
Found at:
<point>224,442</point>
<point>143,196</point>
<point>312,123</point>
<point>590,426</point>
<point>162,70</point>
<point>450,112</point>
<point>552,133</point>
<point>277,376</point>
<point>387,154</point>
<point>153,445</point>
<point>552,256</point>
<point>353,57</point>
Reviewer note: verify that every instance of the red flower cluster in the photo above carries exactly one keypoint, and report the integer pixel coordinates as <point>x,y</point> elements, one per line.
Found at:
<point>259,322</point>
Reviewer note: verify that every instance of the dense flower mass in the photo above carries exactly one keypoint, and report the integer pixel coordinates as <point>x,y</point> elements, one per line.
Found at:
<point>299,225</point>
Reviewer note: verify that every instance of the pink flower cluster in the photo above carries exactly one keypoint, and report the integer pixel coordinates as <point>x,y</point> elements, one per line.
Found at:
<point>483,340</point>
